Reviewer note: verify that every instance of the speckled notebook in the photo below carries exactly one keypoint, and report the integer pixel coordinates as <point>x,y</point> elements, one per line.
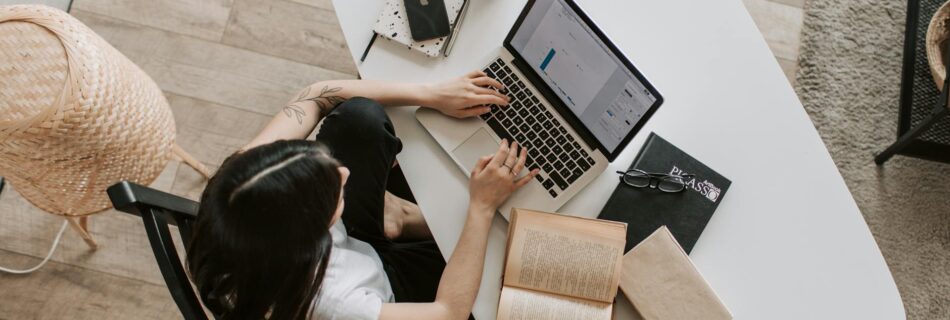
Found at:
<point>393,26</point>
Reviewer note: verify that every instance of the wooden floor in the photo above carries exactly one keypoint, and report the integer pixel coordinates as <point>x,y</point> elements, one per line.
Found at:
<point>226,66</point>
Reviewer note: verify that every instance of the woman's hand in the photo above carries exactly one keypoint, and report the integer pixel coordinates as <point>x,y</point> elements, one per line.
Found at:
<point>467,96</point>
<point>495,177</point>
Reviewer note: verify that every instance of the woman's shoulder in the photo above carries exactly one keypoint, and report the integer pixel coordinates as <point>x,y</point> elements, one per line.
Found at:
<point>354,285</point>
<point>355,268</point>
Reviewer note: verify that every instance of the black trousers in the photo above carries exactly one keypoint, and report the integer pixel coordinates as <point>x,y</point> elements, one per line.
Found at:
<point>360,135</point>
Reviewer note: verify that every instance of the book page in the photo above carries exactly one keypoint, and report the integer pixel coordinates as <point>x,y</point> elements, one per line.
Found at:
<point>565,255</point>
<point>521,304</point>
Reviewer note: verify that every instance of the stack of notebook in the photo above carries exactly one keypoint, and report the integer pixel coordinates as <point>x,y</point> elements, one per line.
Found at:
<point>393,25</point>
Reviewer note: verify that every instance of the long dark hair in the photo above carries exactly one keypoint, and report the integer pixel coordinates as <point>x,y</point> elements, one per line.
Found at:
<point>261,242</point>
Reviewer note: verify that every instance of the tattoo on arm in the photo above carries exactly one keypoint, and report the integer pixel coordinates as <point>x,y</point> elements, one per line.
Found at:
<point>325,101</point>
<point>295,111</point>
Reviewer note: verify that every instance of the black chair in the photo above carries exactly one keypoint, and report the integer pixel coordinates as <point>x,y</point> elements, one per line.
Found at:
<point>923,128</point>
<point>159,210</point>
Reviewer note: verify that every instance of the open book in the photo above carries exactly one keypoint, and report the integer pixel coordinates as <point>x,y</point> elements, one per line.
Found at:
<point>561,267</point>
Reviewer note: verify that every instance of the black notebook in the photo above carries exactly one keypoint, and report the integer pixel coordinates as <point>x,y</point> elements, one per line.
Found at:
<point>684,213</point>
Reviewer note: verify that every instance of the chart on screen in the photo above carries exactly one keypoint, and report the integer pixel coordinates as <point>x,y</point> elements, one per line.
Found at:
<point>569,58</point>
<point>590,79</point>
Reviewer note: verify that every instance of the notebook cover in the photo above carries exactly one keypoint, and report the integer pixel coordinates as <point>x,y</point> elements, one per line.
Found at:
<point>393,25</point>
<point>646,209</point>
<point>662,283</point>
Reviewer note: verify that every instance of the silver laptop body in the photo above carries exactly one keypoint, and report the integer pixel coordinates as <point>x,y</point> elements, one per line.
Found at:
<point>602,102</point>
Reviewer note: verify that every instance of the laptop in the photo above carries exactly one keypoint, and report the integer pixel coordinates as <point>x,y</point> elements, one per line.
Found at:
<point>576,102</point>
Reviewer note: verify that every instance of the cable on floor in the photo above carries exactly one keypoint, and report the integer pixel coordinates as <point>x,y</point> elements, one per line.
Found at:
<point>52,248</point>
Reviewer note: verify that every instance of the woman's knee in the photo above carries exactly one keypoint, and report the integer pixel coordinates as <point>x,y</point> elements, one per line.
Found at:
<point>360,118</point>
<point>359,108</point>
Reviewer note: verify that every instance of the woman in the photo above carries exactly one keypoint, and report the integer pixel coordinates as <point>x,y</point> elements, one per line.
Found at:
<point>293,229</point>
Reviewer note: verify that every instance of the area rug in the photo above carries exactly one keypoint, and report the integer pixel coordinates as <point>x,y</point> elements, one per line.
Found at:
<point>849,82</point>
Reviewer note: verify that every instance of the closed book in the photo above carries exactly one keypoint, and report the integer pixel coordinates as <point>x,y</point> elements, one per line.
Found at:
<point>661,282</point>
<point>646,209</point>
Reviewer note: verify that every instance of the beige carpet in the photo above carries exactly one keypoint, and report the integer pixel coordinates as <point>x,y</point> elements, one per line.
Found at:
<point>849,83</point>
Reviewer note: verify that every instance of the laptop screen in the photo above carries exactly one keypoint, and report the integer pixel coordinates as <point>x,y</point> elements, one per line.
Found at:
<point>582,71</point>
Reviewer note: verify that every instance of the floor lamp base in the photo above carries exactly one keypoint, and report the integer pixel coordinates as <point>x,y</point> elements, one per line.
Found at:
<point>81,225</point>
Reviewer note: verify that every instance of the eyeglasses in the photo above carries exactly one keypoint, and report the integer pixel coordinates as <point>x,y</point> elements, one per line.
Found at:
<point>664,182</point>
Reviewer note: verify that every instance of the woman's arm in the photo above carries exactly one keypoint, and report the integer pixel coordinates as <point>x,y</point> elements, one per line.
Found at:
<point>460,279</point>
<point>461,97</point>
<point>492,181</point>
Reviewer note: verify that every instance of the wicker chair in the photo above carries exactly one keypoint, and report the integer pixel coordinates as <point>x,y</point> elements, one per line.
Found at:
<point>76,116</point>
<point>923,128</point>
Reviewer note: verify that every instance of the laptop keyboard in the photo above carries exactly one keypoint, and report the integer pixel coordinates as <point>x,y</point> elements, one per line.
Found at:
<point>550,147</point>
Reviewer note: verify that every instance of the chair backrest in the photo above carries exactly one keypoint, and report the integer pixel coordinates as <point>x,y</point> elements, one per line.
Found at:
<point>159,210</point>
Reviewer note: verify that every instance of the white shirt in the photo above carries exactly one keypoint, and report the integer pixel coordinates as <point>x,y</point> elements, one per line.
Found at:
<point>355,285</point>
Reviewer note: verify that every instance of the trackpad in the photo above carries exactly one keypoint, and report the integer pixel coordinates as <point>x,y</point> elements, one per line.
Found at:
<point>476,146</point>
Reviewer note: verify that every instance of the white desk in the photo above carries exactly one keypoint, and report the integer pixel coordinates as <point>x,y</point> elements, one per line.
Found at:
<point>787,242</point>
